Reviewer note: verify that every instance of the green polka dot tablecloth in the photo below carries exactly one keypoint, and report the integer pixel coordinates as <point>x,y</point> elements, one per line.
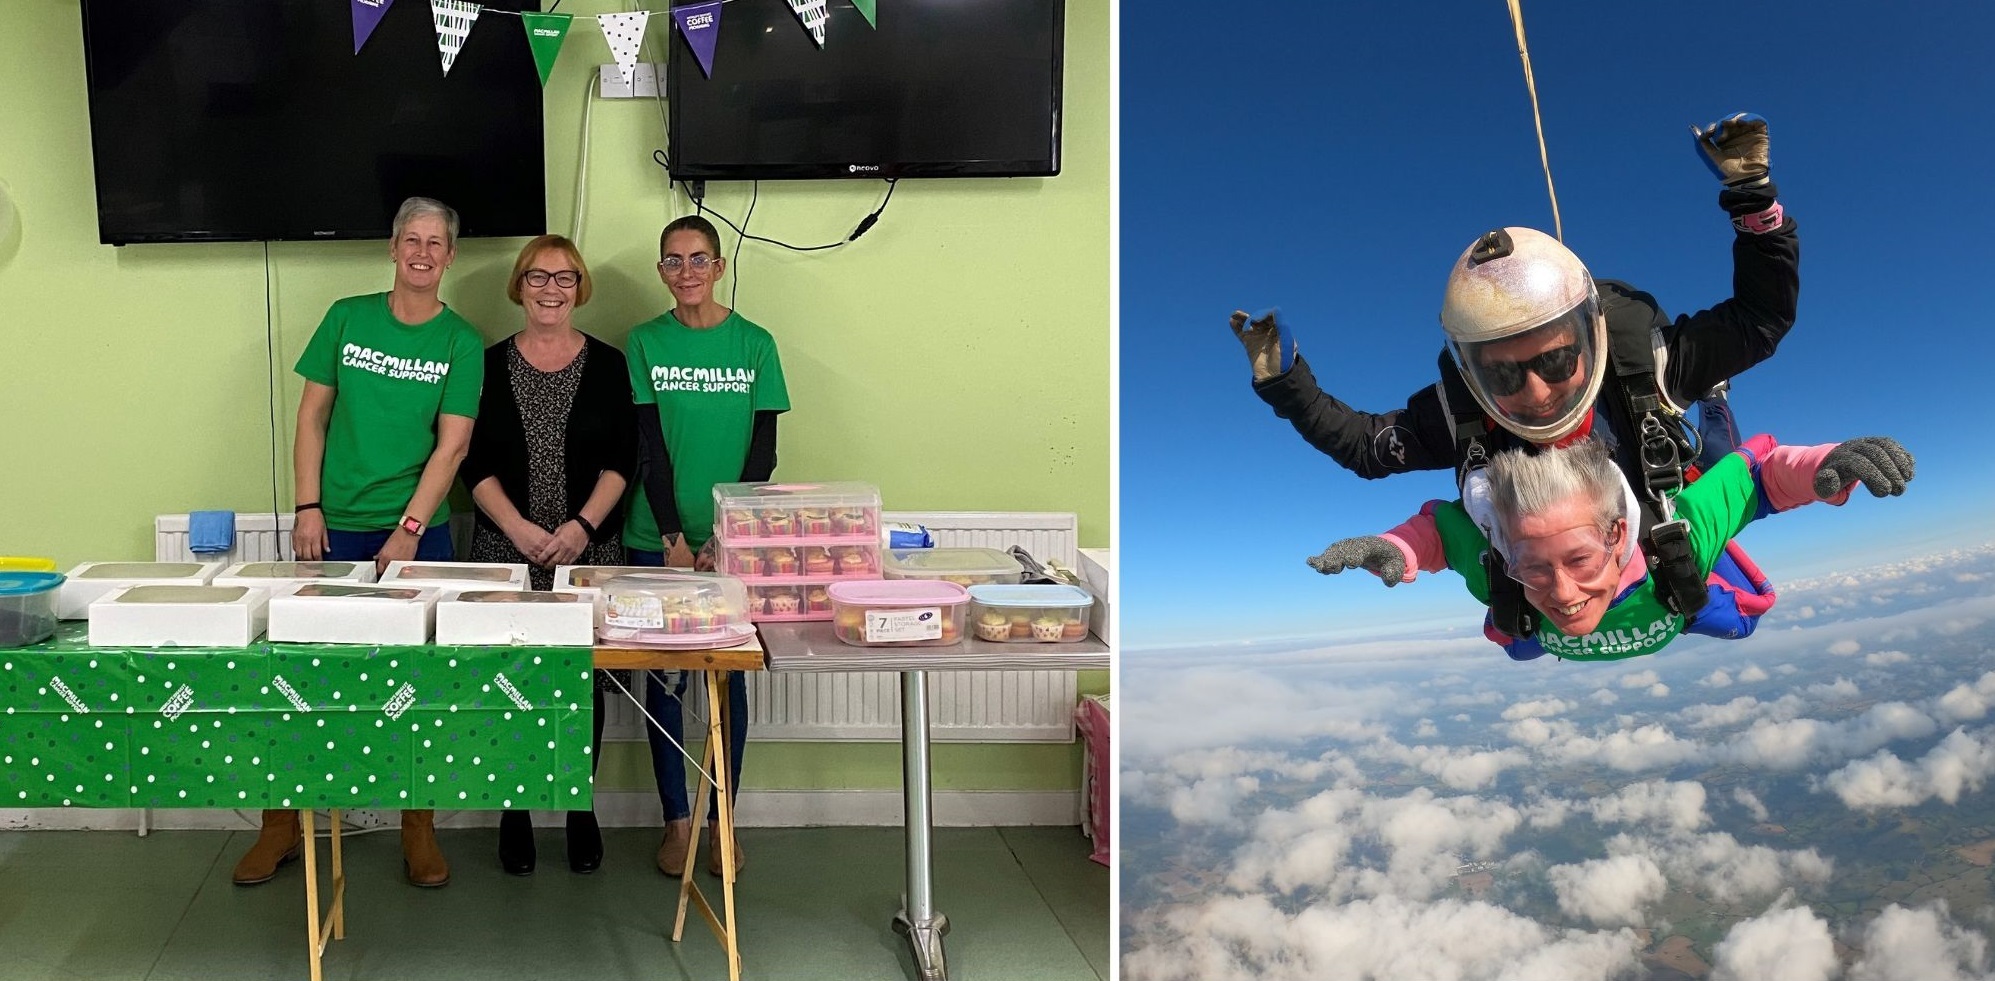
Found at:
<point>294,726</point>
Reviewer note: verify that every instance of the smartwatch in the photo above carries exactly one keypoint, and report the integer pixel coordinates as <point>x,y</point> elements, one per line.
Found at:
<point>412,526</point>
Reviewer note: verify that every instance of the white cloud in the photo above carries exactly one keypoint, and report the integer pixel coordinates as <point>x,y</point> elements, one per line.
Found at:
<point>1603,697</point>
<point>1752,673</point>
<point>1460,768</point>
<point>1920,945</point>
<point>1967,701</point>
<point>1845,647</point>
<point>1780,945</point>
<point>1886,658</point>
<point>1202,708</point>
<point>1247,937</point>
<point>1536,709</point>
<point>1608,891</point>
<point>1460,717</point>
<point>1639,679</point>
<point>1659,690</point>
<point>1678,805</point>
<point>1210,801</point>
<point>1791,744</point>
<point>1719,866</point>
<point>1751,802</point>
<point>1841,688</point>
<point>1961,761</point>
<point>1641,748</point>
<point>1717,679</point>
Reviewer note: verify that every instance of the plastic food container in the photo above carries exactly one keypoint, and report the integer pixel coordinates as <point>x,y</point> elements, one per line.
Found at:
<point>1030,614</point>
<point>898,613</point>
<point>27,607</point>
<point>822,513</point>
<point>819,562</point>
<point>962,566</point>
<point>675,609</point>
<point>92,581</point>
<point>589,579</point>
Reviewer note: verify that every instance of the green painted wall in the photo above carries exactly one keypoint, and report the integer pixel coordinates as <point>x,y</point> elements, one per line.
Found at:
<point>957,356</point>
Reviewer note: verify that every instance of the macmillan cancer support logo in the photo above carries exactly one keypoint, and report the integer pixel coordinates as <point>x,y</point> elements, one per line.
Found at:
<point>389,366</point>
<point>675,378</point>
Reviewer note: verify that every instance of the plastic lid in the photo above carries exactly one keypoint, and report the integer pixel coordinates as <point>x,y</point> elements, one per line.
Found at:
<point>140,570</point>
<point>1046,595</point>
<point>28,583</point>
<point>953,562</point>
<point>295,570</point>
<point>899,592</point>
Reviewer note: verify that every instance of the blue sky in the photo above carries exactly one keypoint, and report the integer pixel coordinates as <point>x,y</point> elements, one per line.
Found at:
<point>1333,160</point>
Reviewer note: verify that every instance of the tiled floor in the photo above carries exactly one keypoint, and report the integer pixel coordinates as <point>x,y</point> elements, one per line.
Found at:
<point>814,903</point>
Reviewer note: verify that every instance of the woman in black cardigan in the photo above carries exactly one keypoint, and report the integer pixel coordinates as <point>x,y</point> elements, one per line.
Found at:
<point>555,445</point>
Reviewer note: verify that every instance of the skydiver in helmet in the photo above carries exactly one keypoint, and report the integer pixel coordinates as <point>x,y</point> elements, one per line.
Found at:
<point>1541,344</point>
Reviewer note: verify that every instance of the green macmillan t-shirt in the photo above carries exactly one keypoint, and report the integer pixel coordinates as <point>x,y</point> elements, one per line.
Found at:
<point>1716,507</point>
<point>706,386</point>
<point>390,380</point>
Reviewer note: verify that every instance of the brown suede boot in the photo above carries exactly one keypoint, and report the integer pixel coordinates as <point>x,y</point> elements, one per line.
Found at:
<point>279,842</point>
<point>672,851</point>
<point>421,858</point>
<point>713,851</point>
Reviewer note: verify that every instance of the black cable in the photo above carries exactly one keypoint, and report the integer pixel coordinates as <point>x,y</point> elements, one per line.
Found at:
<point>270,381</point>
<point>865,224</point>
<point>734,289</point>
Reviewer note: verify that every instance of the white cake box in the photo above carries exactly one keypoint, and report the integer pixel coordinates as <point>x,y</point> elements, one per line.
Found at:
<point>271,575</point>
<point>179,616</point>
<point>516,617</point>
<point>349,613</point>
<point>454,576</point>
<point>92,581</point>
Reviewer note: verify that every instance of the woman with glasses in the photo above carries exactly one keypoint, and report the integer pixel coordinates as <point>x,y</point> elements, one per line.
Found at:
<point>555,447</point>
<point>709,386</point>
<point>1561,518</point>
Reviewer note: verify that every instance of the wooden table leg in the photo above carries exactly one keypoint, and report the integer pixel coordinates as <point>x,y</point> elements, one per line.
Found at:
<point>688,891</point>
<point>339,882</point>
<point>311,846</point>
<point>717,735</point>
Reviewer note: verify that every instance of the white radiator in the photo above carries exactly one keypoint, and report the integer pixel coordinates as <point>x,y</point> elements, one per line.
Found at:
<point>964,706</point>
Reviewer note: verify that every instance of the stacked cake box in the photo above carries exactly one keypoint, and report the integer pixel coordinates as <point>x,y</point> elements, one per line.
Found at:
<point>788,542</point>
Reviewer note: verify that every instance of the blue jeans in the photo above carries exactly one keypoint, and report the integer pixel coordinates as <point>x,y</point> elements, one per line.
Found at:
<point>666,763</point>
<point>361,546</point>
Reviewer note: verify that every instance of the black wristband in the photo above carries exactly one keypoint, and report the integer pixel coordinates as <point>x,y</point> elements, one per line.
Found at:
<point>586,526</point>
<point>302,508</point>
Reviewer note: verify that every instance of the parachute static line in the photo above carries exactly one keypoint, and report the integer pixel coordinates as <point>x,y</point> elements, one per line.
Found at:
<point>1531,84</point>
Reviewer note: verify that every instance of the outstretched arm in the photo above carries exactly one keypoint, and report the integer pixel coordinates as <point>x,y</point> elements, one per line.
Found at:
<point>1415,545</point>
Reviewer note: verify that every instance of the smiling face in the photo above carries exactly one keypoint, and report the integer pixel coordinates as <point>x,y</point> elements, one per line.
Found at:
<point>1570,571</point>
<point>688,250</point>
<point>1526,359</point>
<point>549,304</point>
<point>422,252</point>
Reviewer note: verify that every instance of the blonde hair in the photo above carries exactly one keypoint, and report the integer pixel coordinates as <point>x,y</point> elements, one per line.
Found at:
<point>532,251</point>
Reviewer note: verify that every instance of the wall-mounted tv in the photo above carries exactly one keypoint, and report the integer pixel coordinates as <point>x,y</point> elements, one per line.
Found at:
<point>941,88</point>
<point>254,120</point>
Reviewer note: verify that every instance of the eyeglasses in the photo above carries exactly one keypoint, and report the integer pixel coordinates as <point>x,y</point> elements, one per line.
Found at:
<point>566,278</point>
<point>699,262</point>
<point>1507,377</point>
<point>1580,566</point>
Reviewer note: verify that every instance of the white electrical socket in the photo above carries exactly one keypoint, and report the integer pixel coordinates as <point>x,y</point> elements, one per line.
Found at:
<point>643,81</point>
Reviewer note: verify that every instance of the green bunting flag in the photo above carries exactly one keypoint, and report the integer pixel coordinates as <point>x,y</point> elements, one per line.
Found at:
<point>866,10</point>
<point>544,34</point>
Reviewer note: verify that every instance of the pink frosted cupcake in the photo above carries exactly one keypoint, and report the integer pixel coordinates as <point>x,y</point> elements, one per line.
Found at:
<point>782,604</point>
<point>778,524</point>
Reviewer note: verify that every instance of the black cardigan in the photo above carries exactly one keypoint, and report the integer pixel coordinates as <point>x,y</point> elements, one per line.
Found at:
<point>602,434</point>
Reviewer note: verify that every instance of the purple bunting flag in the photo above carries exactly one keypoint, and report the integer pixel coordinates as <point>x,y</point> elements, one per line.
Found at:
<point>700,25</point>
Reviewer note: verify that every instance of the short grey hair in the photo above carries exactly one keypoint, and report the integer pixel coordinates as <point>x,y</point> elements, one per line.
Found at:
<point>415,208</point>
<point>1522,483</point>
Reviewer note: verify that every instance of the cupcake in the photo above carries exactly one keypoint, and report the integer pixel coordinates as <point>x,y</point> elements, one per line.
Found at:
<point>1046,629</point>
<point>1021,627</point>
<point>817,600</point>
<point>1074,629</point>
<point>811,521</point>
<point>778,524</point>
<point>951,633</point>
<point>817,562</point>
<point>854,563</point>
<point>747,563</point>
<point>741,524</point>
<point>851,523</point>
<point>993,626</point>
<point>851,618</point>
<point>782,562</point>
<point>782,604</point>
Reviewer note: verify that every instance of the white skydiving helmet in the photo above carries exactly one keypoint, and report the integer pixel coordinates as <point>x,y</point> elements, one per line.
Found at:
<point>1524,324</point>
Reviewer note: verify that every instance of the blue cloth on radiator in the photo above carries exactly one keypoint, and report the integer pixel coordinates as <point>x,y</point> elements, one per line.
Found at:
<point>211,531</point>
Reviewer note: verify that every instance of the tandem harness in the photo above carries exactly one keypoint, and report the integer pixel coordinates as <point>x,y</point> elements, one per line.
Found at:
<point>1655,448</point>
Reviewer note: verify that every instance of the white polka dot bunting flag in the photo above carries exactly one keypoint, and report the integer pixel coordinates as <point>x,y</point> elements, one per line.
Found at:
<point>453,19</point>
<point>813,16</point>
<point>625,34</point>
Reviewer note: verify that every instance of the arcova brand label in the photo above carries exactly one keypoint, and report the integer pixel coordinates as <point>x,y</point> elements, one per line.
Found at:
<point>886,626</point>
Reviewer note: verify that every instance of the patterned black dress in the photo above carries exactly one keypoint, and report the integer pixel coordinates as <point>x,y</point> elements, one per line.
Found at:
<point>545,399</point>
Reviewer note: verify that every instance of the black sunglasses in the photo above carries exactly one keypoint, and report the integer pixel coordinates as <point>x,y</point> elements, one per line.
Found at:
<point>1507,377</point>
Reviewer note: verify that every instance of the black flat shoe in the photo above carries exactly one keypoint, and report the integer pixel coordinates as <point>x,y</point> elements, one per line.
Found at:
<point>585,842</point>
<point>516,852</point>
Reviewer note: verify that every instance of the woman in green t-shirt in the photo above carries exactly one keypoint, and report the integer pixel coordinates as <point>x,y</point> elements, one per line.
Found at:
<point>708,387</point>
<point>391,388</point>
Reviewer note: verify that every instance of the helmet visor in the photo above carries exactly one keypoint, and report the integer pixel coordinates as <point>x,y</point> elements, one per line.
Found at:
<point>1537,377</point>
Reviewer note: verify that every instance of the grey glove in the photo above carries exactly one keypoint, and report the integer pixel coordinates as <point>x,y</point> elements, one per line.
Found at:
<point>1370,553</point>
<point>1877,461</point>
<point>1270,348</point>
<point>1735,148</point>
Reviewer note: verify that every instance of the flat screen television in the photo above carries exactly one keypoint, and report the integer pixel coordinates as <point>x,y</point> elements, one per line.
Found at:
<point>941,88</point>
<point>254,120</point>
